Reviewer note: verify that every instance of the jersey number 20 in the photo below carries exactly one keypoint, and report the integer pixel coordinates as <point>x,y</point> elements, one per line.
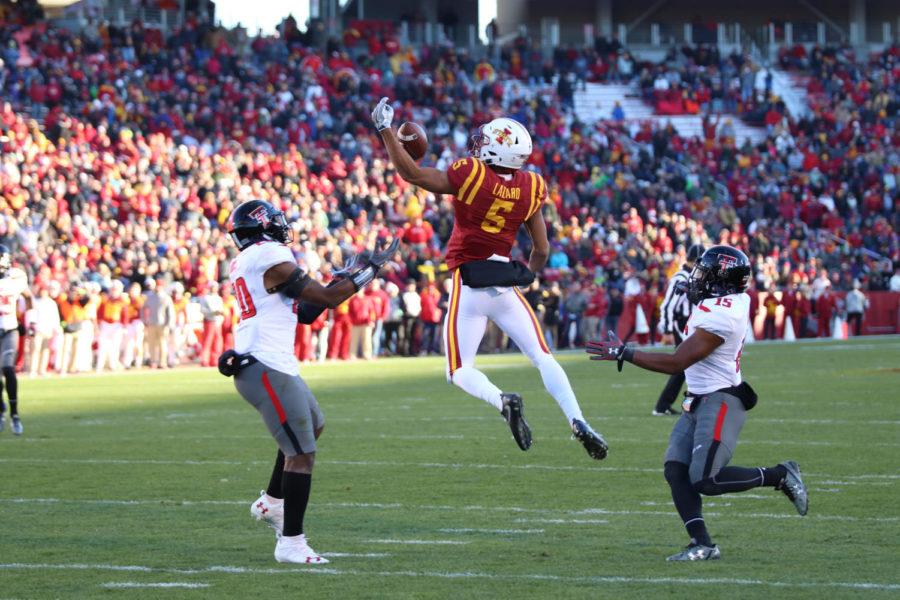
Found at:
<point>493,222</point>
<point>244,299</point>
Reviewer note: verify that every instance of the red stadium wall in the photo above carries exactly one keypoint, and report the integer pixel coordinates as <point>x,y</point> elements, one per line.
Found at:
<point>881,318</point>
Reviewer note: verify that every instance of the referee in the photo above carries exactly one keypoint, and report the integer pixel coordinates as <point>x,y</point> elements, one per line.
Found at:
<point>674,315</point>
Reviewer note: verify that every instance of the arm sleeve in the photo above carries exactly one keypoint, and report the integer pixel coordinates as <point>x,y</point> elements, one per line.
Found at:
<point>307,312</point>
<point>716,319</point>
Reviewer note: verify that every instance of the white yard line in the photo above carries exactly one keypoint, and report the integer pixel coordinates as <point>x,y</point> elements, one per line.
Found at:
<point>564,521</point>
<point>355,554</point>
<point>601,418</point>
<point>497,531</point>
<point>387,463</point>
<point>417,542</point>
<point>424,437</point>
<point>169,503</point>
<point>589,579</point>
<point>166,584</point>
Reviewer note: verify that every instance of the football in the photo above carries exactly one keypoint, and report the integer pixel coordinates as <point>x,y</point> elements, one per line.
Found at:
<point>412,138</point>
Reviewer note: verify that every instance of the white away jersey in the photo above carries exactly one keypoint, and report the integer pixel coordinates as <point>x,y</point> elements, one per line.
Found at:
<point>268,322</point>
<point>11,288</point>
<point>727,317</point>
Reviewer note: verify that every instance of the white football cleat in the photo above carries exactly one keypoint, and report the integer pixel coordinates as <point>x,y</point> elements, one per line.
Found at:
<point>294,549</point>
<point>271,513</point>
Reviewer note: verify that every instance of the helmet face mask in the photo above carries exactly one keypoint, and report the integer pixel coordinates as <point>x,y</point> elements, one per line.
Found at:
<point>476,141</point>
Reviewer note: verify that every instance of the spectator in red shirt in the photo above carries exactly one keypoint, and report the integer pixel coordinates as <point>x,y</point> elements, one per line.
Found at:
<point>770,305</point>
<point>418,233</point>
<point>825,312</point>
<point>381,306</point>
<point>595,313</point>
<point>339,336</point>
<point>431,318</point>
<point>362,318</point>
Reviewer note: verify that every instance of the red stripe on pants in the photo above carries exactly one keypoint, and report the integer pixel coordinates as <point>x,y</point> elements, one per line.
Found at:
<point>274,398</point>
<point>720,419</point>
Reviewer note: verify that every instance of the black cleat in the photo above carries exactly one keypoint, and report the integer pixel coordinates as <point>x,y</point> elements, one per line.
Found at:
<point>666,412</point>
<point>697,552</point>
<point>793,488</point>
<point>592,441</point>
<point>514,413</point>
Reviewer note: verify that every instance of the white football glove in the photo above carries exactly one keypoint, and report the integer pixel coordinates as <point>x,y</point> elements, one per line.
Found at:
<point>382,114</point>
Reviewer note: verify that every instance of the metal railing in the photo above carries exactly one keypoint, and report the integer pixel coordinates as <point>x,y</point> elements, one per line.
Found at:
<point>885,261</point>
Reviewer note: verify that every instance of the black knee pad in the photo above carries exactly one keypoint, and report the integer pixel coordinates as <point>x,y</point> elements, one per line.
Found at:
<point>708,487</point>
<point>9,372</point>
<point>675,472</point>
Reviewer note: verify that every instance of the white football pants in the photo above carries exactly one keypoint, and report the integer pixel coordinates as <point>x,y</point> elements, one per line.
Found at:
<point>464,326</point>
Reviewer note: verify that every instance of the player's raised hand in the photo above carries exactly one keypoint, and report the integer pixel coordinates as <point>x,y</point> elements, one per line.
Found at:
<point>610,349</point>
<point>381,254</point>
<point>348,268</point>
<point>382,114</point>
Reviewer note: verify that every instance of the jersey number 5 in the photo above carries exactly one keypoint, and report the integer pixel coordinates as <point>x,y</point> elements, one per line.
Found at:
<point>245,301</point>
<point>493,222</point>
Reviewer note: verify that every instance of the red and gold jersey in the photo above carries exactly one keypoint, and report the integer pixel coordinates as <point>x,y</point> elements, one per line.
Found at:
<point>112,310</point>
<point>489,209</point>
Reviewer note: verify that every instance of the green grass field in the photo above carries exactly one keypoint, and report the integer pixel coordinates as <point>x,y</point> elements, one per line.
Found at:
<point>420,492</point>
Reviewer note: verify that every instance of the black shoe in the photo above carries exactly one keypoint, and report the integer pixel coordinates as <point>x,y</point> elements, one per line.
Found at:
<point>793,487</point>
<point>514,413</point>
<point>697,552</point>
<point>592,441</point>
<point>666,412</point>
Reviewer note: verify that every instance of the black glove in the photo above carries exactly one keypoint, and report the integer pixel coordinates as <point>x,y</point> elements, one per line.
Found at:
<point>382,255</point>
<point>364,276</point>
<point>611,349</point>
<point>228,363</point>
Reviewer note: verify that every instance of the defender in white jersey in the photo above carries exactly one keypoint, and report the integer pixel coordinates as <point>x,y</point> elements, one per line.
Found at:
<point>717,401</point>
<point>273,295</point>
<point>13,286</point>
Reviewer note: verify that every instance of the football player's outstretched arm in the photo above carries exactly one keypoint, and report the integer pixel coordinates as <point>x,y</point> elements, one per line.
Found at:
<point>432,180</point>
<point>692,350</point>
<point>540,247</point>
<point>280,278</point>
<point>288,279</point>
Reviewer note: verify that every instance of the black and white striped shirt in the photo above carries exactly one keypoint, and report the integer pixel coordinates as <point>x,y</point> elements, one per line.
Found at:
<point>676,308</point>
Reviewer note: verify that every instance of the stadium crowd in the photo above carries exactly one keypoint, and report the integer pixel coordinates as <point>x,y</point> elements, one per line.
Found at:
<point>125,151</point>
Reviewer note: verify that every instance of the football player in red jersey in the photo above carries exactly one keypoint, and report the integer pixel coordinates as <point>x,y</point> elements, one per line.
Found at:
<point>494,197</point>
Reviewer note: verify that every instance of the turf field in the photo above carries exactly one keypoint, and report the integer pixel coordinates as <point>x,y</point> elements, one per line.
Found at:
<point>135,480</point>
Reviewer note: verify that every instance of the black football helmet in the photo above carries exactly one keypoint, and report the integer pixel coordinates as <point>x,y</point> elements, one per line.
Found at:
<point>721,271</point>
<point>257,220</point>
<point>5,260</point>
